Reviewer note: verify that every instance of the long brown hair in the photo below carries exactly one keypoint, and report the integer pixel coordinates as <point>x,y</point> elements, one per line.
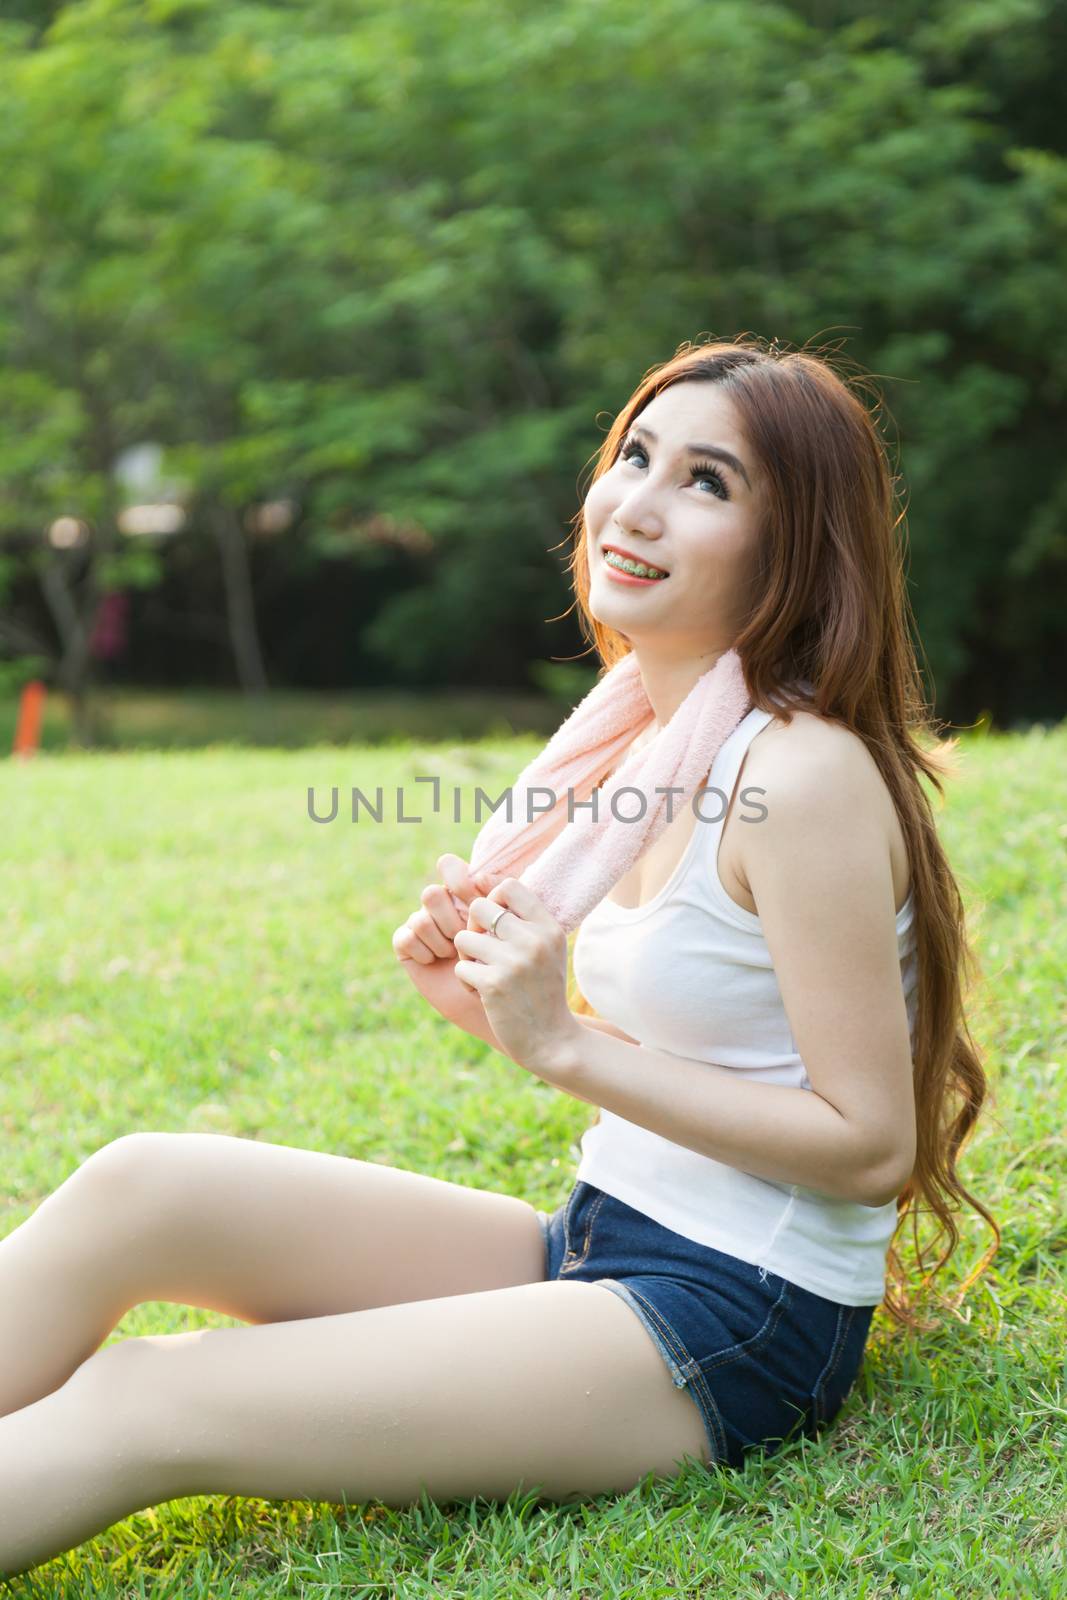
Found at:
<point>830,606</point>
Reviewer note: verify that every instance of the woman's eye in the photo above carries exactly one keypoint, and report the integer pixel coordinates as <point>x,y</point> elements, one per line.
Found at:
<point>704,469</point>
<point>698,472</point>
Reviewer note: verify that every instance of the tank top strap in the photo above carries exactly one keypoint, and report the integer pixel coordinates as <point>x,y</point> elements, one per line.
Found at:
<point>727,765</point>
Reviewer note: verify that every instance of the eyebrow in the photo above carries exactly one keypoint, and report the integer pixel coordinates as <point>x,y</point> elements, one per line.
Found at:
<point>715,450</point>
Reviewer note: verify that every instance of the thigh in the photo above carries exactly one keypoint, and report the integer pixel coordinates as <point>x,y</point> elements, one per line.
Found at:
<point>762,1358</point>
<point>546,1385</point>
<point>268,1233</point>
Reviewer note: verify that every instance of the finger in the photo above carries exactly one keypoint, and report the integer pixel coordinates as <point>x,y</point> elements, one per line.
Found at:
<point>438,903</point>
<point>425,928</point>
<point>482,946</point>
<point>408,947</point>
<point>472,973</point>
<point>482,913</point>
<point>518,897</point>
<point>456,875</point>
<point>485,913</point>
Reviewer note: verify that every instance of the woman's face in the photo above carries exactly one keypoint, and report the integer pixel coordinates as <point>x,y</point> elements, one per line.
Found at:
<point>689,511</point>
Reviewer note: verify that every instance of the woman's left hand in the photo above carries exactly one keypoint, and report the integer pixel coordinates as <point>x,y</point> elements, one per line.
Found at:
<point>520,974</point>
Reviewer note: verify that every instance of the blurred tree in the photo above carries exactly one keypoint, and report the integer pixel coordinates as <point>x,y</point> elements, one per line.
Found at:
<point>331,253</point>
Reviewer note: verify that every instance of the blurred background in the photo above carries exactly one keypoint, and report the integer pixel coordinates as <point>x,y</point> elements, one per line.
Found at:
<point>313,316</point>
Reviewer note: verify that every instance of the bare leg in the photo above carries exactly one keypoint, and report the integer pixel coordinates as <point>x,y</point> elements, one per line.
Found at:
<point>263,1232</point>
<point>64,1284</point>
<point>70,1465</point>
<point>549,1385</point>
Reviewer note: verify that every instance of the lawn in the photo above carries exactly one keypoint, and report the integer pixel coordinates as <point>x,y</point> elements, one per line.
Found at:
<point>129,719</point>
<point>184,949</point>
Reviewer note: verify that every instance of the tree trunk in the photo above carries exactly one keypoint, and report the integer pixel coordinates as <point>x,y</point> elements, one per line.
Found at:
<point>240,603</point>
<point>74,618</point>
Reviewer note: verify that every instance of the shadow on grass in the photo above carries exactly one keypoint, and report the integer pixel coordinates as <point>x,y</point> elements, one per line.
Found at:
<point>127,719</point>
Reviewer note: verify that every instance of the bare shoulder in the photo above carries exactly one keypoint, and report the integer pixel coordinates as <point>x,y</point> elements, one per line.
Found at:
<point>810,746</point>
<point>822,770</point>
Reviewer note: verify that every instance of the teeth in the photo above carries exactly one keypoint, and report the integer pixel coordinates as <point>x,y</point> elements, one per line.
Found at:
<point>637,568</point>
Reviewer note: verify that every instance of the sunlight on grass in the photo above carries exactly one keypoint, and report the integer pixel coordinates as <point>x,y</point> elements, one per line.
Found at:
<point>184,949</point>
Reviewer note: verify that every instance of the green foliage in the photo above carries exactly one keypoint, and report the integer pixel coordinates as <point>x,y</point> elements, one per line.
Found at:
<point>566,682</point>
<point>14,675</point>
<point>333,252</point>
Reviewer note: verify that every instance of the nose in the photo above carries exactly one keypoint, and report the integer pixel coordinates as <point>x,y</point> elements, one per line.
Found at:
<point>636,512</point>
<point>623,532</point>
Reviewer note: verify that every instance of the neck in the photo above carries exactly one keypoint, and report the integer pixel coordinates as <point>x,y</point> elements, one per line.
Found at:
<point>667,680</point>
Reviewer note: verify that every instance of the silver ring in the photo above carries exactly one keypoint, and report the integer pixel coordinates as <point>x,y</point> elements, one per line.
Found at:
<point>492,927</point>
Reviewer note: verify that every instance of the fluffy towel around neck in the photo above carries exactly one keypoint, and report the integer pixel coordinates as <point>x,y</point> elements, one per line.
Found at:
<point>572,865</point>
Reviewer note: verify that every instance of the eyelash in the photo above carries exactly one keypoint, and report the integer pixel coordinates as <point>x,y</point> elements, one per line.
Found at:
<point>699,469</point>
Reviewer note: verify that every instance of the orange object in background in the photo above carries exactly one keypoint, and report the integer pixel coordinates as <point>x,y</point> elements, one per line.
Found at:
<point>28,726</point>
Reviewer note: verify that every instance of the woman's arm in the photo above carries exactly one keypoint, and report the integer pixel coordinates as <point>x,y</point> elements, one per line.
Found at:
<point>603,1027</point>
<point>785,1134</point>
<point>818,864</point>
<point>437,983</point>
<point>478,1024</point>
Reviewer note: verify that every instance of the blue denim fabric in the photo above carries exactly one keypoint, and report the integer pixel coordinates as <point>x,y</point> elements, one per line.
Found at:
<point>763,1359</point>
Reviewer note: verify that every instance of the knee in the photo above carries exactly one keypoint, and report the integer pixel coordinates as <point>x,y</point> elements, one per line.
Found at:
<point>126,1394</point>
<point>124,1176</point>
<point>125,1156</point>
<point>109,1382</point>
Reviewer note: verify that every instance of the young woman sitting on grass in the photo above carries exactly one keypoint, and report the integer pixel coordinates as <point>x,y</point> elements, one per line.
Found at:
<point>781,1064</point>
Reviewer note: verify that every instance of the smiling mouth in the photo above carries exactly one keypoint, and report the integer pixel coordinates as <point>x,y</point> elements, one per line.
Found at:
<point>634,569</point>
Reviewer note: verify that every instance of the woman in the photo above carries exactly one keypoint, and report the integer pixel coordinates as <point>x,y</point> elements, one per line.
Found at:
<point>805,1075</point>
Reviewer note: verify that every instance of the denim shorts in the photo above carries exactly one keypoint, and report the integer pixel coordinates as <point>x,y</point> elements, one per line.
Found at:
<point>763,1359</point>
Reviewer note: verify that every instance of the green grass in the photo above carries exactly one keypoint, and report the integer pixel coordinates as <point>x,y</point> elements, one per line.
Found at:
<point>189,719</point>
<point>184,949</point>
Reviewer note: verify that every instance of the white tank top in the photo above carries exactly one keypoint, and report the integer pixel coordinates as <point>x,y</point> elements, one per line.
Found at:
<point>690,973</point>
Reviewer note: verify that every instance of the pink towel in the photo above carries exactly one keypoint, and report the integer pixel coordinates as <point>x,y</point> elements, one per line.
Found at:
<point>572,865</point>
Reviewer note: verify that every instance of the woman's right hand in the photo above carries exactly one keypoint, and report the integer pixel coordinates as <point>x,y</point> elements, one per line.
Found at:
<point>428,933</point>
<point>423,946</point>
